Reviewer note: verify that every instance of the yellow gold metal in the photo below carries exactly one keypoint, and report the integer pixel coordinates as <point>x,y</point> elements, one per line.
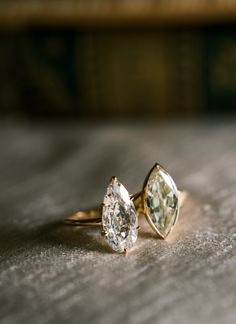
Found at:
<point>137,200</point>
<point>81,218</point>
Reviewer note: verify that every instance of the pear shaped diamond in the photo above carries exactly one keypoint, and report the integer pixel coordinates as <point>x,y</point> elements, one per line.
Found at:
<point>119,219</point>
<point>160,200</point>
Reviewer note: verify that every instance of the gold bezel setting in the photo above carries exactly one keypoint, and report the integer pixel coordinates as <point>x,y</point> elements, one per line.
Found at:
<point>158,168</point>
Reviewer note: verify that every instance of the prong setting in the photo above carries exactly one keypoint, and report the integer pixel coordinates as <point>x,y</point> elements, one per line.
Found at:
<point>119,217</point>
<point>104,233</point>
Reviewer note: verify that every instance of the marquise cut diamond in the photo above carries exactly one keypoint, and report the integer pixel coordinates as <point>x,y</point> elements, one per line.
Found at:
<point>161,200</point>
<point>119,219</point>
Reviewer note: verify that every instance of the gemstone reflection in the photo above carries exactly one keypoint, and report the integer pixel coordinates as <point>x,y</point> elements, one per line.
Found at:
<point>119,219</point>
<point>161,200</point>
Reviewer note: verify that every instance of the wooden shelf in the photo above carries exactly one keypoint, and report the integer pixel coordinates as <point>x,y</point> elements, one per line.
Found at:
<point>122,14</point>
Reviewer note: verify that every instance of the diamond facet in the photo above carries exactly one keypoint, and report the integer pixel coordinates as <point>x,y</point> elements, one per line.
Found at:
<point>160,200</point>
<point>119,219</point>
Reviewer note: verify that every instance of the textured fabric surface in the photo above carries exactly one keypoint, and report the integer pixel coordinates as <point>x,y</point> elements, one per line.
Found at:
<point>53,273</point>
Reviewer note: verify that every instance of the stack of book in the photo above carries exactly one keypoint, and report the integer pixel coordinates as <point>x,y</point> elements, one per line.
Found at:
<point>117,58</point>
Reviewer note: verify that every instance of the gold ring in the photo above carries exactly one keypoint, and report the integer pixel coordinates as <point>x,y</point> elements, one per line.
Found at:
<point>159,201</point>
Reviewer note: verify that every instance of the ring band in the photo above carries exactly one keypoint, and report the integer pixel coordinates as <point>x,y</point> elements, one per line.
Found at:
<point>94,217</point>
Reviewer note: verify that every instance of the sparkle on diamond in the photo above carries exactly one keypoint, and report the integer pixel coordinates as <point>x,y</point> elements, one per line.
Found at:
<point>119,219</point>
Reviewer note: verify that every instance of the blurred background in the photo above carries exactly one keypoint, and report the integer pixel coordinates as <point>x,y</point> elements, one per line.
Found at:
<point>170,65</point>
<point>103,59</point>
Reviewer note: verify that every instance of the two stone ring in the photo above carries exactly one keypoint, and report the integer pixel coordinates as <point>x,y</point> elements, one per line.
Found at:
<point>159,201</point>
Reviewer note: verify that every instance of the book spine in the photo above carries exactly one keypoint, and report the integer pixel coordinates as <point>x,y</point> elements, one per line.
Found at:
<point>162,73</point>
